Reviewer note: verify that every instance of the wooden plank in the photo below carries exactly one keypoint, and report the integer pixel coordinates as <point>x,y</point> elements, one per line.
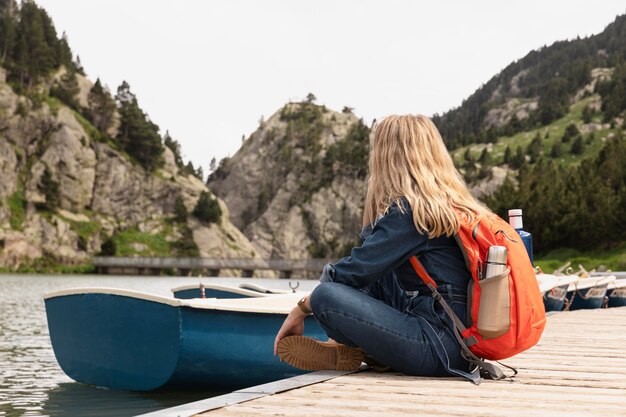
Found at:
<point>460,391</point>
<point>383,394</point>
<point>408,406</point>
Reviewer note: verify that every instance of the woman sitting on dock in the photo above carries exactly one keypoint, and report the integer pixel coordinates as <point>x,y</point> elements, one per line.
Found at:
<point>372,304</point>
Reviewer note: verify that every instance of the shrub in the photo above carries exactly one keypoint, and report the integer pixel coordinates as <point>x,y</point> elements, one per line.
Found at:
<point>570,131</point>
<point>17,204</point>
<point>186,246</point>
<point>108,248</point>
<point>50,189</point>
<point>207,209</point>
<point>180,211</point>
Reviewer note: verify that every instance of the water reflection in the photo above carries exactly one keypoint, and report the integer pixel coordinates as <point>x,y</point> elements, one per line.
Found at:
<point>74,399</point>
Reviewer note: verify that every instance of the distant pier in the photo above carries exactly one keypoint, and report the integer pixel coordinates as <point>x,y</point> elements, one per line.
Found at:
<point>286,268</point>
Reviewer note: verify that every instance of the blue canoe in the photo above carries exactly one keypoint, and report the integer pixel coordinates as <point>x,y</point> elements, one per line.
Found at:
<point>616,293</point>
<point>137,341</point>
<point>224,291</point>
<point>554,289</point>
<point>588,292</point>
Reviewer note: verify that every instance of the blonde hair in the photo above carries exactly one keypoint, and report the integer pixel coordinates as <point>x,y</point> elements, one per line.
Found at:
<point>409,159</point>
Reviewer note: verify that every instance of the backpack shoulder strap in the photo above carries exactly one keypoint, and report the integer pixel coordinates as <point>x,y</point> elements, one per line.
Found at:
<point>432,286</point>
<point>461,333</point>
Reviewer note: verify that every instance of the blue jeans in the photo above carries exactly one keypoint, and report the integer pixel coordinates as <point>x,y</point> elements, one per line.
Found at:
<point>410,334</point>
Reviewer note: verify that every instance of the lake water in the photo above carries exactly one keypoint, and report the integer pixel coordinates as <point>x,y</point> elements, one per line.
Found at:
<point>32,383</point>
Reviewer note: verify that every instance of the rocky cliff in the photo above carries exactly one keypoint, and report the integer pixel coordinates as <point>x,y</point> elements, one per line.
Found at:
<point>102,193</point>
<point>296,186</point>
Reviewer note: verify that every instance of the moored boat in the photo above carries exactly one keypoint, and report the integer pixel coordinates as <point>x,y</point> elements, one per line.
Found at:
<point>137,341</point>
<point>616,293</point>
<point>554,289</point>
<point>222,291</point>
<point>588,292</point>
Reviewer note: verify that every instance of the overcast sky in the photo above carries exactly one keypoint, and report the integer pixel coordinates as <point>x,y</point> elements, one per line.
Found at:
<point>208,70</point>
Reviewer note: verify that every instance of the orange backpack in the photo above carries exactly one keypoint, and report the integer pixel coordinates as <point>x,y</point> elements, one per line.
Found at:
<point>514,295</point>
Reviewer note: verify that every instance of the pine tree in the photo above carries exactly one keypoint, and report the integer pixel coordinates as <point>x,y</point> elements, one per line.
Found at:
<point>175,148</point>
<point>571,131</point>
<point>587,114</point>
<point>199,173</point>
<point>79,66</point>
<point>36,50</point>
<point>555,152</point>
<point>180,210</point>
<point>101,107</point>
<point>613,93</point>
<point>484,157</point>
<point>467,156</point>
<point>578,146</point>
<point>189,169</point>
<point>66,89</point>
<point>213,165</point>
<point>64,53</point>
<point>534,148</point>
<point>50,189</point>
<point>519,159</point>
<point>8,10</point>
<point>507,155</point>
<point>137,134</point>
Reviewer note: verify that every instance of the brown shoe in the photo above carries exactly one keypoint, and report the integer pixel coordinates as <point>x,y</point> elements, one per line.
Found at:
<point>312,355</point>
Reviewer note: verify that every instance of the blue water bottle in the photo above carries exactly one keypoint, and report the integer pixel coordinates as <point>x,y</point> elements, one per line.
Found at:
<point>515,220</point>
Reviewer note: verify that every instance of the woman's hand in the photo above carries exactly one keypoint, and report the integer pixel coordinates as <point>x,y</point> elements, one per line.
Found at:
<point>293,325</point>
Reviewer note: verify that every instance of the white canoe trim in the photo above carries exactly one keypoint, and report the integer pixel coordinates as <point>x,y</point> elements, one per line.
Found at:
<point>619,283</point>
<point>276,304</point>
<point>550,281</point>
<point>590,282</point>
<point>174,302</point>
<point>226,288</point>
<point>260,288</point>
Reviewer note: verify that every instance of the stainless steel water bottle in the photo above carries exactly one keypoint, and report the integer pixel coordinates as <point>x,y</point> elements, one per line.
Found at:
<point>494,309</point>
<point>496,261</point>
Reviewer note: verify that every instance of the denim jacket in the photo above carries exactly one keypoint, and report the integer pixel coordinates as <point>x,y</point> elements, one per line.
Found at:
<point>386,248</point>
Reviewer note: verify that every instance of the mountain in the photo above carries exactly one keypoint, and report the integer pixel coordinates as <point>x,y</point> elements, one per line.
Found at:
<point>83,172</point>
<point>296,186</point>
<point>536,89</point>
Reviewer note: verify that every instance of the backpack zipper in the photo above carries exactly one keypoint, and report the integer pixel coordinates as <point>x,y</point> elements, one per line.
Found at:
<point>507,236</point>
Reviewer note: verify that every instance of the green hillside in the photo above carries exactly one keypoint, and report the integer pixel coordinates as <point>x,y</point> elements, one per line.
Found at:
<point>550,135</point>
<point>549,77</point>
<point>554,123</point>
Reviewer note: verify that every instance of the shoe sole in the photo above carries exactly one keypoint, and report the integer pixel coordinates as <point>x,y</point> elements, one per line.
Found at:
<point>312,355</point>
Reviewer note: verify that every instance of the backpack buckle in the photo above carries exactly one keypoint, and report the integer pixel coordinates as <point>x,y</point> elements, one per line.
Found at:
<point>470,341</point>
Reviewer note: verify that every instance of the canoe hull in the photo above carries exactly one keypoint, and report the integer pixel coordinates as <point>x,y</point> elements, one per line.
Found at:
<point>130,343</point>
<point>113,341</point>
<point>554,299</point>
<point>617,297</point>
<point>588,298</point>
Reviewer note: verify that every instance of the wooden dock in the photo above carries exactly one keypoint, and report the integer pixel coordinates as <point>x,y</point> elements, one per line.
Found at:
<point>578,369</point>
